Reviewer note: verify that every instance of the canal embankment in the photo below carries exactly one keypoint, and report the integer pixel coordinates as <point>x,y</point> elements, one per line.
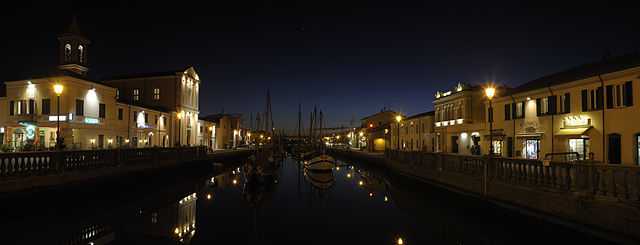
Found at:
<point>41,170</point>
<point>599,199</point>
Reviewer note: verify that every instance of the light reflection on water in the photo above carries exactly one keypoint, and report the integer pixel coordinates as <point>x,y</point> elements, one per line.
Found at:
<point>281,203</point>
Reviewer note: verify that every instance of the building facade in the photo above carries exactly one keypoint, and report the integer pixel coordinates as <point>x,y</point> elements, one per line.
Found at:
<point>459,120</point>
<point>153,110</point>
<point>228,133</point>
<point>376,135</point>
<point>587,113</point>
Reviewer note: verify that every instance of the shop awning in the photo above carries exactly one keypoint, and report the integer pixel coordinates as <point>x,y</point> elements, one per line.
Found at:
<point>573,131</point>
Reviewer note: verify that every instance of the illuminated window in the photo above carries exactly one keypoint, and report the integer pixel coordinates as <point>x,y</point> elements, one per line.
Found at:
<point>136,94</point>
<point>580,146</point>
<point>80,53</point>
<point>497,147</point>
<point>117,93</point>
<point>156,94</point>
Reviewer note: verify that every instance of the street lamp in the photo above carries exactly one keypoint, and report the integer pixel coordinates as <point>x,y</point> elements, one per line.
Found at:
<point>490,91</point>
<point>398,119</point>
<point>180,115</point>
<point>58,88</point>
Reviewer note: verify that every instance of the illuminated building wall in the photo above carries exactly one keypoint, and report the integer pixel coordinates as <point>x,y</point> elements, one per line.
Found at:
<point>567,116</point>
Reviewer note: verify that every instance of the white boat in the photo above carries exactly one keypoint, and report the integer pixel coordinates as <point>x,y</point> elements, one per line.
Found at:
<point>321,163</point>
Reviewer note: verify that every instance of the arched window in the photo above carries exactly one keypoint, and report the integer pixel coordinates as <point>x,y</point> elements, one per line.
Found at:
<point>67,51</point>
<point>80,53</point>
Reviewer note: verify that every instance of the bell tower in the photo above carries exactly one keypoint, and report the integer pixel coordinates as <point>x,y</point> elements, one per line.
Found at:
<point>74,50</point>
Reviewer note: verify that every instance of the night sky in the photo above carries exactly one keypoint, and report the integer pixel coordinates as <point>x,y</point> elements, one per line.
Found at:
<point>349,58</point>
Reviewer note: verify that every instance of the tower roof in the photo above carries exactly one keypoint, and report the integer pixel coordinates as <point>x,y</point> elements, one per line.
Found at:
<point>73,30</point>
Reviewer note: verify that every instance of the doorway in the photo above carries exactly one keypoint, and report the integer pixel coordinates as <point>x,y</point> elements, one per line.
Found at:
<point>454,144</point>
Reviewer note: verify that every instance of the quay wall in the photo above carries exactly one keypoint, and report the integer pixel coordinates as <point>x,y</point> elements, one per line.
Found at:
<point>600,199</point>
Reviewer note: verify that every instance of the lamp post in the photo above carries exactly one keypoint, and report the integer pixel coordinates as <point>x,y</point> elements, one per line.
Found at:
<point>490,92</point>
<point>180,115</point>
<point>398,119</point>
<point>58,88</point>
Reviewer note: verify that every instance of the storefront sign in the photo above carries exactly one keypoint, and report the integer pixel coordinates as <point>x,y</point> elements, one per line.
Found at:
<point>91,120</point>
<point>576,121</point>
<point>54,118</point>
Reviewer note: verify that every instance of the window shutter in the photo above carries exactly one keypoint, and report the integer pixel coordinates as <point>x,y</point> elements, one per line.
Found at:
<point>507,112</point>
<point>12,106</point>
<point>567,103</point>
<point>513,111</point>
<point>552,106</point>
<point>538,107</point>
<point>628,93</point>
<point>23,107</point>
<point>609,96</point>
<point>32,106</point>
<point>522,109</point>
<point>102,110</point>
<point>599,98</point>
<point>585,106</point>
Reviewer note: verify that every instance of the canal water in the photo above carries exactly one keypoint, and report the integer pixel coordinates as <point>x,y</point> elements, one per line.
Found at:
<point>276,203</point>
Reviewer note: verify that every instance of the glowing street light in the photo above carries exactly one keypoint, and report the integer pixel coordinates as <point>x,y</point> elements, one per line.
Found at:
<point>490,91</point>
<point>58,88</point>
<point>180,115</point>
<point>398,120</point>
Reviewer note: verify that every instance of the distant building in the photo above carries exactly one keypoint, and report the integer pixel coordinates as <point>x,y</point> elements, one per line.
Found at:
<point>375,128</point>
<point>416,133</point>
<point>228,131</point>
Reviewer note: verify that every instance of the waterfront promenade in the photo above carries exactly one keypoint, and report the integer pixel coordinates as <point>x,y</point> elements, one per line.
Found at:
<point>32,170</point>
<point>595,198</point>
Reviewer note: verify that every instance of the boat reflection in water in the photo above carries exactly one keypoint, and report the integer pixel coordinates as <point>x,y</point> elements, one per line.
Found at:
<point>320,179</point>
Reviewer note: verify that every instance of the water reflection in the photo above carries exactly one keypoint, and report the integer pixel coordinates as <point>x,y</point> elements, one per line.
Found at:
<point>275,202</point>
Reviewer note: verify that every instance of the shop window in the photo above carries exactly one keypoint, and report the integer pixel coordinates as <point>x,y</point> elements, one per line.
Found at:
<point>530,148</point>
<point>580,146</point>
<point>497,147</point>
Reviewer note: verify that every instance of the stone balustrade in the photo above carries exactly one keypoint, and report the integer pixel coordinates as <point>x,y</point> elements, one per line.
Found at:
<point>25,164</point>
<point>585,177</point>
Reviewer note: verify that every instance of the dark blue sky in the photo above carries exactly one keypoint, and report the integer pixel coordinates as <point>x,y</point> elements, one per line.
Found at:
<point>350,58</point>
